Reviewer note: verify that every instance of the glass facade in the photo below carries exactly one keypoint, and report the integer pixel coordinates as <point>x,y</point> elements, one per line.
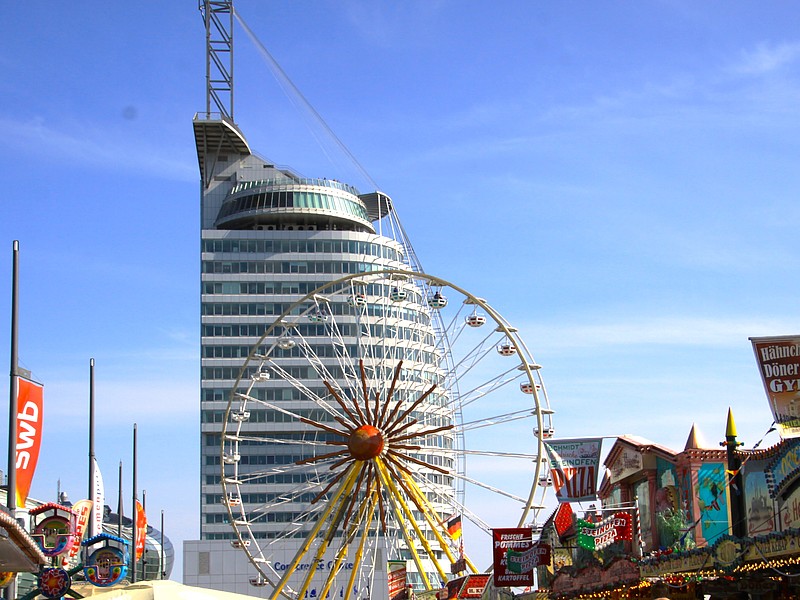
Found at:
<point>237,306</point>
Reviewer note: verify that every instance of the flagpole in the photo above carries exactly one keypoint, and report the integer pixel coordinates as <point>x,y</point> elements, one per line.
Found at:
<point>133,512</point>
<point>92,490</point>
<point>11,489</point>
<point>163,571</point>
<point>119,503</point>
<point>11,494</point>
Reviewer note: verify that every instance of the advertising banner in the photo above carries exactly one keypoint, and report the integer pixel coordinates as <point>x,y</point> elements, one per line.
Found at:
<point>574,465</point>
<point>759,507</point>
<point>83,510</point>
<point>474,586</point>
<point>453,587</point>
<point>517,539</point>
<point>712,498</point>
<point>96,522</point>
<point>778,361</point>
<point>470,586</point>
<point>459,566</point>
<point>29,434</point>
<point>523,562</point>
<point>596,536</point>
<point>564,520</point>
<point>397,580</point>
<point>141,530</point>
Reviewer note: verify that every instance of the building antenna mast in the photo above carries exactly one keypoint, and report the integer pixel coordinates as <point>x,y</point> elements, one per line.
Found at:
<point>218,17</point>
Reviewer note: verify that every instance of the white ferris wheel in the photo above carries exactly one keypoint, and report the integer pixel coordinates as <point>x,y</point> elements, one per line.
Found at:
<point>388,406</point>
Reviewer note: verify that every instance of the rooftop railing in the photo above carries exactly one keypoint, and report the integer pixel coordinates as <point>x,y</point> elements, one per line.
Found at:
<point>328,183</point>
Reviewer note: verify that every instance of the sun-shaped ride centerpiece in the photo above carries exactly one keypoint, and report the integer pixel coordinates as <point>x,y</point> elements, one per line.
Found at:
<point>370,417</point>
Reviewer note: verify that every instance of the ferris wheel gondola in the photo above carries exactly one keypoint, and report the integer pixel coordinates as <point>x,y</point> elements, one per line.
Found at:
<point>398,294</point>
<point>475,320</point>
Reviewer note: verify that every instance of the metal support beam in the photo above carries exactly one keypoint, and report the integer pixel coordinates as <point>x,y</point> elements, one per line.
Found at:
<point>218,18</point>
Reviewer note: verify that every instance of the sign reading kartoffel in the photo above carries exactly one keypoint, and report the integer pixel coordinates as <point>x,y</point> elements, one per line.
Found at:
<point>574,465</point>
<point>779,362</point>
<point>517,539</point>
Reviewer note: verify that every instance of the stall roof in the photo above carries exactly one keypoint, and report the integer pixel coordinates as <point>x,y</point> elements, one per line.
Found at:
<point>18,551</point>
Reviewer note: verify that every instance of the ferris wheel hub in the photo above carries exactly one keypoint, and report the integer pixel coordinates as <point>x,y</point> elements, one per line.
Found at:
<point>366,442</point>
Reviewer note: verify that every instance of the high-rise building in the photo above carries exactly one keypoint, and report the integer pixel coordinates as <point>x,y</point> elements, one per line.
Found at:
<point>332,425</point>
<point>269,237</point>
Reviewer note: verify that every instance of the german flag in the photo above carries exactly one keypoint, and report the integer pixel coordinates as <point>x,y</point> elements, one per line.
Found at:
<point>454,527</point>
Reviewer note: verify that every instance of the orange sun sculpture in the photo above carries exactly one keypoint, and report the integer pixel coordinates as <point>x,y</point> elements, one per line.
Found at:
<point>375,437</point>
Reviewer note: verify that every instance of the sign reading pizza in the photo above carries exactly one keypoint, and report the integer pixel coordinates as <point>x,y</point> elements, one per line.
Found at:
<point>574,465</point>
<point>596,536</point>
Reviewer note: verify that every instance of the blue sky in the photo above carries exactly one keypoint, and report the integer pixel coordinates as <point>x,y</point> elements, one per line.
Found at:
<point>618,179</point>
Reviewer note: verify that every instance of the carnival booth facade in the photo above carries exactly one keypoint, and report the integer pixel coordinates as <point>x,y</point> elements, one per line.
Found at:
<point>706,522</point>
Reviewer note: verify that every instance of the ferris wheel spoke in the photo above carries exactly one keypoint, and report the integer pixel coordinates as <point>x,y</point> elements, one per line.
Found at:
<point>516,415</point>
<point>394,501</point>
<point>340,350</point>
<point>302,419</point>
<point>471,357</point>
<point>397,420</point>
<point>273,441</point>
<point>258,476</point>
<point>325,540</point>
<point>446,336</point>
<point>359,556</point>
<point>488,387</point>
<point>462,325</point>
<point>491,488</point>
<point>284,498</point>
<point>409,515</point>
<point>340,347</point>
<point>309,480</point>
<point>333,392</point>
<point>300,526</point>
<point>314,360</point>
<point>458,506</point>
<point>401,475</point>
<point>328,487</point>
<point>344,488</point>
<point>365,393</point>
<point>526,503</point>
<point>423,433</point>
<point>320,457</point>
<point>499,380</point>
<point>363,516</point>
<point>304,390</point>
<point>417,461</point>
<point>439,417</point>
<point>497,454</point>
<point>354,496</point>
<point>409,483</point>
<point>390,396</point>
<point>376,482</point>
